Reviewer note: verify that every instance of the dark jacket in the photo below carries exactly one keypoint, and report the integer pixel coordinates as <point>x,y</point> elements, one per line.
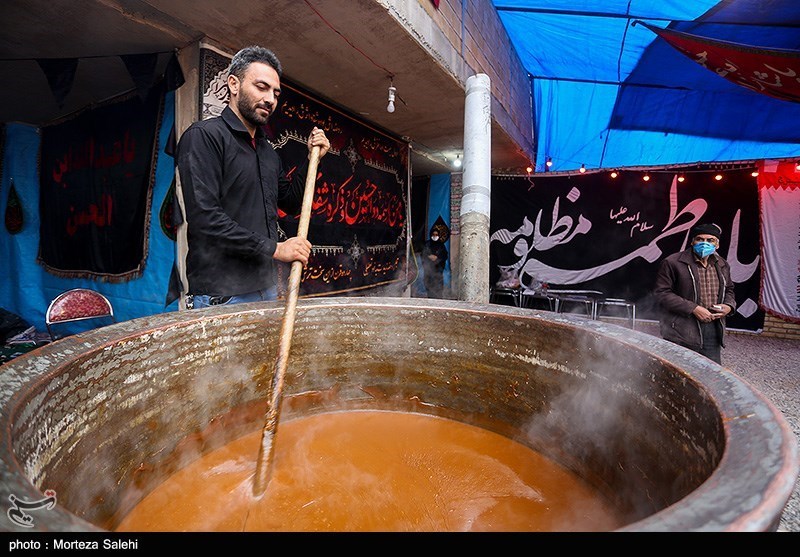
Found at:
<point>678,292</point>
<point>232,193</point>
<point>440,251</point>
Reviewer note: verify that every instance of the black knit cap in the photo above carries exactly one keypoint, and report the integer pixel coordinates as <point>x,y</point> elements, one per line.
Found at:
<point>708,228</point>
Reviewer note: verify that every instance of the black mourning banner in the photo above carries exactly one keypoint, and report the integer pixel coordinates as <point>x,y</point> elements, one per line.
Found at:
<point>595,232</point>
<point>60,74</point>
<point>359,213</point>
<point>142,69</point>
<point>96,181</point>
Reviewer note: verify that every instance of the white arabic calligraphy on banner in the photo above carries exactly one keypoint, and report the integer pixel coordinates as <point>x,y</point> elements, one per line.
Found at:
<point>569,226</point>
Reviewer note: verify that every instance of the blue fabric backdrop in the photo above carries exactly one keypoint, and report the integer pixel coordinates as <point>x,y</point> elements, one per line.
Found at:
<point>610,93</point>
<point>26,289</point>
<point>439,207</point>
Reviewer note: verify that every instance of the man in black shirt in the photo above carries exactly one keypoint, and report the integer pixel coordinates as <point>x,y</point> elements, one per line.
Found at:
<point>233,183</point>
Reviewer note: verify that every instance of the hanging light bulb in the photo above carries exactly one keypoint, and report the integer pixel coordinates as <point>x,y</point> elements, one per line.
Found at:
<point>646,177</point>
<point>718,177</point>
<point>583,168</point>
<point>549,162</point>
<point>754,173</point>
<point>681,177</point>
<point>529,169</point>
<point>392,91</point>
<point>797,165</point>
<point>614,173</point>
<point>457,162</point>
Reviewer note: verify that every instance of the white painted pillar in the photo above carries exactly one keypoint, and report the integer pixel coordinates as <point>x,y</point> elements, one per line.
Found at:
<point>476,192</point>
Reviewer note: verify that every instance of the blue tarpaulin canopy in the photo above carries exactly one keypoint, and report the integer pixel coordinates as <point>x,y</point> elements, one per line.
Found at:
<point>609,92</point>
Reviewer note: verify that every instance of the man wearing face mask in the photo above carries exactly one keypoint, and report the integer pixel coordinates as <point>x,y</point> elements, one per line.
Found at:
<point>434,259</point>
<point>696,293</point>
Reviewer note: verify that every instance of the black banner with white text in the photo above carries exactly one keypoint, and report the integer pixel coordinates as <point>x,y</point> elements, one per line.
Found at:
<point>595,232</point>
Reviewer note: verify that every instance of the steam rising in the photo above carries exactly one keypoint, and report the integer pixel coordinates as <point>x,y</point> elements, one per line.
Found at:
<point>371,471</point>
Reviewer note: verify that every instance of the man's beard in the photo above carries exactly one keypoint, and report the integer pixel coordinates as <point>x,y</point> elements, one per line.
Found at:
<point>249,113</point>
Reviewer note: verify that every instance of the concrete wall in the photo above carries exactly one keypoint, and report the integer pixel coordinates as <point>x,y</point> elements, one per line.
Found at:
<point>467,37</point>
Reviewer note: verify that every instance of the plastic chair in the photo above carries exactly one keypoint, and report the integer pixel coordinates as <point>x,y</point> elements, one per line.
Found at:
<point>76,305</point>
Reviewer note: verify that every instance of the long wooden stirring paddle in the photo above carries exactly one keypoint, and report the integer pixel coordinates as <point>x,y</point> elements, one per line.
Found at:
<point>265,452</point>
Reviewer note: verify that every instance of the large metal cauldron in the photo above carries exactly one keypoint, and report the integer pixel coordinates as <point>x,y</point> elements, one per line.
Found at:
<point>675,441</point>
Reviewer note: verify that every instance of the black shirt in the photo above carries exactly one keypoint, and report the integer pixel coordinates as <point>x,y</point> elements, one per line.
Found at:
<point>440,251</point>
<point>232,191</point>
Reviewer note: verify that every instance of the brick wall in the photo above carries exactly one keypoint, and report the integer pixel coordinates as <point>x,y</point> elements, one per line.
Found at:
<point>777,327</point>
<point>455,233</point>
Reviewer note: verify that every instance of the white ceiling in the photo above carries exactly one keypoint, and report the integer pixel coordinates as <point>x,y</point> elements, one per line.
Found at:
<point>342,51</point>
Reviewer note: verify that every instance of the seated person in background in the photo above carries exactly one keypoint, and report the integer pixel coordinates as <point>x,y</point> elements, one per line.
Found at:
<point>434,259</point>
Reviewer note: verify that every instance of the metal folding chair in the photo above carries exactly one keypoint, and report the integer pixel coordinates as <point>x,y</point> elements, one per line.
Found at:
<point>626,305</point>
<point>586,299</point>
<point>497,294</point>
<point>533,299</point>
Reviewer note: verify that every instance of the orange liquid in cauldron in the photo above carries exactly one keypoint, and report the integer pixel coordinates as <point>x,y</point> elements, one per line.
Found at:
<point>375,471</point>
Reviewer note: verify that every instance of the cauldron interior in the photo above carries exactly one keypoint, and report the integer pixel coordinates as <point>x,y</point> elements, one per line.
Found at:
<point>103,417</point>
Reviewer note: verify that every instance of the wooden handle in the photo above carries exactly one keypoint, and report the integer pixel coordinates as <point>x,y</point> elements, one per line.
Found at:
<point>266,449</point>
<point>308,193</point>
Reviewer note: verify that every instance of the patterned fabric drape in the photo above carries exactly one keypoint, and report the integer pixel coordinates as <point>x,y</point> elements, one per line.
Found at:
<point>779,199</point>
<point>769,71</point>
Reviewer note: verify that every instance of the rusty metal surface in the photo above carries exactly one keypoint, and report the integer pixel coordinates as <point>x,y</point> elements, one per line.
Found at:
<point>675,440</point>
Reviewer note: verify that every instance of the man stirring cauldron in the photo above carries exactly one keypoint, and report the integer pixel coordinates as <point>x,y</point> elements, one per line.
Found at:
<point>233,183</point>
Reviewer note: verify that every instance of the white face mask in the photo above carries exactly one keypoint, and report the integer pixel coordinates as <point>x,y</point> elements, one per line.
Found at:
<point>435,238</point>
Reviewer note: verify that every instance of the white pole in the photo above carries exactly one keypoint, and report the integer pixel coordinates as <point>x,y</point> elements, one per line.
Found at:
<point>476,191</point>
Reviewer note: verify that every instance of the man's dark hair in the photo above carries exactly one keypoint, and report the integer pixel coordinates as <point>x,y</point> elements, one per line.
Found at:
<point>242,60</point>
